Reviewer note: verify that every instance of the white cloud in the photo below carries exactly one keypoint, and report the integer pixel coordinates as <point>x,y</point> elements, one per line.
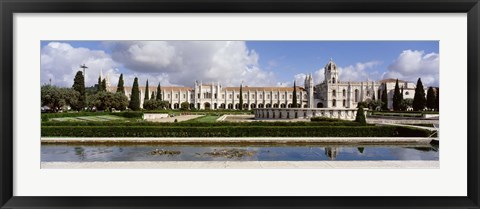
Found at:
<point>60,62</point>
<point>412,64</point>
<point>229,62</point>
<point>358,72</point>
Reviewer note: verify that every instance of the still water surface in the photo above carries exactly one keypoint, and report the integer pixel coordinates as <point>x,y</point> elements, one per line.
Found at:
<point>92,153</point>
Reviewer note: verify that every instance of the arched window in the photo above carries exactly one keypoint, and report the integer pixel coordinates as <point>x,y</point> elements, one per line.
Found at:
<point>344,103</point>
<point>333,80</point>
<point>334,93</point>
<point>334,102</point>
<point>344,93</point>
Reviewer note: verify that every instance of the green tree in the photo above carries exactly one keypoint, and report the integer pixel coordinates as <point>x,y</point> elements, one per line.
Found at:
<point>419,100</point>
<point>120,88</point>
<point>151,105</point>
<point>135,97</point>
<point>152,97</point>
<point>146,93</point>
<point>184,106</point>
<point>431,99</point>
<point>57,98</point>
<point>241,98</point>
<point>384,97</point>
<point>397,98</point>
<point>407,103</point>
<point>79,86</point>
<point>437,97</point>
<point>104,85</point>
<point>159,92</point>
<point>360,117</point>
<point>294,102</point>
<point>99,84</point>
<point>120,101</point>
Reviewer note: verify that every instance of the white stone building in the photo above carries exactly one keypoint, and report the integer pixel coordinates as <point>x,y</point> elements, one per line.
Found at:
<point>334,93</point>
<point>330,93</point>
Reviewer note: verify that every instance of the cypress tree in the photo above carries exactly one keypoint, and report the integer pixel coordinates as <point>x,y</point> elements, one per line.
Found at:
<point>104,85</point>
<point>159,92</point>
<point>384,97</point>
<point>79,86</point>
<point>294,102</point>
<point>241,98</point>
<point>431,99</point>
<point>419,100</point>
<point>99,85</point>
<point>120,88</point>
<point>397,98</point>
<point>152,97</point>
<point>437,98</point>
<point>135,97</point>
<point>147,93</point>
<point>360,117</point>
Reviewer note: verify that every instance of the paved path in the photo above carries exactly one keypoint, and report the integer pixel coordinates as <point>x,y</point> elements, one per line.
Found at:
<point>179,118</point>
<point>241,165</point>
<point>245,140</point>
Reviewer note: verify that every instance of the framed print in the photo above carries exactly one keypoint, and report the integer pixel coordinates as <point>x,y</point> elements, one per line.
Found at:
<point>264,104</point>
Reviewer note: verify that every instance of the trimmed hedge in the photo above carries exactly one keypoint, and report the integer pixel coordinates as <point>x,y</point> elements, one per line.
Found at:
<point>125,114</point>
<point>194,124</point>
<point>325,119</point>
<point>229,131</point>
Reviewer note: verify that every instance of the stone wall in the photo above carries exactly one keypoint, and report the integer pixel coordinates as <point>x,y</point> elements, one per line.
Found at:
<point>292,113</point>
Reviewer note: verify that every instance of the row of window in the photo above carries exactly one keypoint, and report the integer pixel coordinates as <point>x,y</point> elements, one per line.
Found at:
<point>344,94</point>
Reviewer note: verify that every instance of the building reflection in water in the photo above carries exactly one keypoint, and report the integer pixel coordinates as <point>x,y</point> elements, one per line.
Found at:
<point>331,152</point>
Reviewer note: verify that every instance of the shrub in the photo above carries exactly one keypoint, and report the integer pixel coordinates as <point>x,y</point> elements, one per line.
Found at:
<point>229,131</point>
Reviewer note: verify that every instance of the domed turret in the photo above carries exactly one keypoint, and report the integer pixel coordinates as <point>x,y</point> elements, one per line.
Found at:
<point>331,72</point>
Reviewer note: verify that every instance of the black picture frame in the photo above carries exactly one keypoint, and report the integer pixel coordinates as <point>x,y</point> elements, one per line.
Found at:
<point>10,7</point>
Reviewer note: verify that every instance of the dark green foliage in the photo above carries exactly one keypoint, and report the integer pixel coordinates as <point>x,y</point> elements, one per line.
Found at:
<point>397,98</point>
<point>57,98</point>
<point>79,86</point>
<point>294,102</point>
<point>374,104</point>
<point>384,97</point>
<point>159,92</point>
<point>193,124</point>
<point>241,98</point>
<point>99,84</point>
<point>135,97</point>
<point>360,117</point>
<point>419,100</point>
<point>229,131</point>
<point>104,85</point>
<point>152,97</point>
<point>437,97</point>
<point>108,101</point>
<point>120,88</point>
<point>362,104</point>
<point>147,93</point>
<point>155,105</point>
<point>184,106</point>
<point>407,103</point>
<point>431,99</point>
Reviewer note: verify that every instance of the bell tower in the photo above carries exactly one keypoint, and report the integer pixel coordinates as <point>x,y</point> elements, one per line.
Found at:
<point>331,72</point>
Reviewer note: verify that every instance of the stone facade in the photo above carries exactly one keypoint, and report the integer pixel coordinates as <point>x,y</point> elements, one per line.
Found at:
<point>305,113</point>
<point>330,93</point>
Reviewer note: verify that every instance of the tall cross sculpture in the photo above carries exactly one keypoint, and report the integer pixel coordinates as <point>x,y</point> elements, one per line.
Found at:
<point>83,67</point>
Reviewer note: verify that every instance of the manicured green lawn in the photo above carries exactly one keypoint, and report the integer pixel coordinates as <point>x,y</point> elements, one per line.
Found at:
<point>207,118</point>
<point>90,118</point>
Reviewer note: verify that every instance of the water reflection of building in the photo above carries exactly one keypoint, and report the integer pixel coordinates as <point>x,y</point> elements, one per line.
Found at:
<point>331,152</point>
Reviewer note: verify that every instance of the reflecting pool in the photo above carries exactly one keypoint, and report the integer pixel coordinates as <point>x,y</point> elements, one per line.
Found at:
<point>166,152</point>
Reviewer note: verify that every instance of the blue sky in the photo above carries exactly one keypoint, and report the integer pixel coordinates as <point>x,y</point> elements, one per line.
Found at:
<point>256,63</point>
